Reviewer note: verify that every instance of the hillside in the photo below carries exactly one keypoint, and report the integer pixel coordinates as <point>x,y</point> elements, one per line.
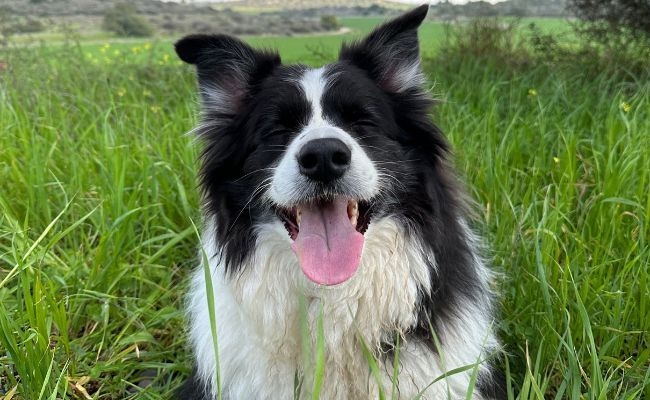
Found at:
<point>47,19</point>
<point>84,17</point>
<point>149,7</point>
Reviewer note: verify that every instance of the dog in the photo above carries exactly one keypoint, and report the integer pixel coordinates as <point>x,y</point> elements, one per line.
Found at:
<point>338,257</point>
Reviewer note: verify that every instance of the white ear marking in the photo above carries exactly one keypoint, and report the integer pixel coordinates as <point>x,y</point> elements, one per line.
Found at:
<point>407,77</point>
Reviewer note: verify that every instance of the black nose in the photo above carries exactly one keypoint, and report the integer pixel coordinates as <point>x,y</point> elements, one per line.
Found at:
<point>324,160</point>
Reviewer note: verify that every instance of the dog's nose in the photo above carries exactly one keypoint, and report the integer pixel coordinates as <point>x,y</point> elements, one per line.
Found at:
<point>324,160</point>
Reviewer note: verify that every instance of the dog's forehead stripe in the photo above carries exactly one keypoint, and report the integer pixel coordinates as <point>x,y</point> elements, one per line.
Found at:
<point>313,84</point>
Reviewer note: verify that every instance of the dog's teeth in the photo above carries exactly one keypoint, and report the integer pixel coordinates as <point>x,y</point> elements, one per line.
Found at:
<point>353,212</point>
<point>298,217</point>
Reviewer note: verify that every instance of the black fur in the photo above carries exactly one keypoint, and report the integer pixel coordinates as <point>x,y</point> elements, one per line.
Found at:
<point>192,389</point>
<point>493,385</point>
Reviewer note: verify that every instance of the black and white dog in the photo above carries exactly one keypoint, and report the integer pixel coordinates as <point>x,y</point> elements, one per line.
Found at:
<point>333,219</point>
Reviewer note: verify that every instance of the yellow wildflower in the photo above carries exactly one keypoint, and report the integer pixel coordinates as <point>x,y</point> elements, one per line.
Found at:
<point>625,107</point>
<point>121,92</point>
<point>532,92</point>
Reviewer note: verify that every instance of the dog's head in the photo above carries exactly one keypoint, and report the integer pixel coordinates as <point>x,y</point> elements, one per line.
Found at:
<point>323,151</point>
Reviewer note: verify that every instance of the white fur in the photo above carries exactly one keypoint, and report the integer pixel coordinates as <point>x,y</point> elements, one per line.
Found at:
<point>288,184</point>
<point>215,98</point>
<point>407,76</point>
<point>258,322</point>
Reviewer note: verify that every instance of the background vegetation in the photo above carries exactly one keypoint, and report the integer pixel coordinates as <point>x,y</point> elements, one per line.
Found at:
<point>614,25</point>
<point>99,199</point>
<point>101,19</point>
<point>123,20</point>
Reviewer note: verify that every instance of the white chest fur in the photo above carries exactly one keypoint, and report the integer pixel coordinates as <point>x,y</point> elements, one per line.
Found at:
<point>262,314</point>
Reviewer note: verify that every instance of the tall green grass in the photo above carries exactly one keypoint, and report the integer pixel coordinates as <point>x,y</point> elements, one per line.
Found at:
<point>97,197</point>
<point>99,201</point>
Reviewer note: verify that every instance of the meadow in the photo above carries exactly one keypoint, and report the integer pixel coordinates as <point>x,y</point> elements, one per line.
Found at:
<point>99,207</point>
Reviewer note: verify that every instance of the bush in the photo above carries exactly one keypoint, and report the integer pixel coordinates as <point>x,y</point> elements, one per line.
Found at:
<point>509,48</point>
<point>29,25</point>
<point>10,26</point>
<point>622,26</point>
<point>123,20</point>
<point>618,15</point>
<point>487,39</point>
<point>329,22</point>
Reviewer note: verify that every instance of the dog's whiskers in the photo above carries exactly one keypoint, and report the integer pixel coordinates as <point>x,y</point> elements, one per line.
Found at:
<point>260,188</point>
<point>252,172</point>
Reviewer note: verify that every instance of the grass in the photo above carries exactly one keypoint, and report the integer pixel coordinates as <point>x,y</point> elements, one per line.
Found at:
<point>95,233</point>
<point>99,204</point>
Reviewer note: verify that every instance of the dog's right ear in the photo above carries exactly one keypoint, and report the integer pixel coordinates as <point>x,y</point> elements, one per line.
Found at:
<point>390,53</point>
<point>226,68</point>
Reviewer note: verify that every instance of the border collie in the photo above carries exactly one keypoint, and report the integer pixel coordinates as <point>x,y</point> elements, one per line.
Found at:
<point>341,262</point>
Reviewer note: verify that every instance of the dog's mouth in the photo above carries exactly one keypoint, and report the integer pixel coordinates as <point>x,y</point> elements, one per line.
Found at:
<point>358,213</point>
<point>328,237</point>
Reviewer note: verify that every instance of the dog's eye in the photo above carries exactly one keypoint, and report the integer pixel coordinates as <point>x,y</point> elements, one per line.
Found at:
<point>276,131</point>
<point>289,119</point>
<point>355,114</point>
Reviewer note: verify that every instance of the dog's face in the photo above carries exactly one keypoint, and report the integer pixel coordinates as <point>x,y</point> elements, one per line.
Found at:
<point>325,152</point>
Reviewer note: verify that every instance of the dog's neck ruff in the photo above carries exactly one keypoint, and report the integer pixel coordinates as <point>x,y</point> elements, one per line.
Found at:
<point>261,339</point>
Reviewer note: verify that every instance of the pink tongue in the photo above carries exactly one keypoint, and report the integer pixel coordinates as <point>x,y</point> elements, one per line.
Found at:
<point>328,246</point>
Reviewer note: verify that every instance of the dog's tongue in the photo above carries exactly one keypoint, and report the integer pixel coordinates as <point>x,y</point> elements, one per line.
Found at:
<point>328,246</point>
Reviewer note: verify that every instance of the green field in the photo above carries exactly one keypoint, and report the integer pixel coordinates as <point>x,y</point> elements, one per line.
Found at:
<point>309,48</point>
<point>99,202</point>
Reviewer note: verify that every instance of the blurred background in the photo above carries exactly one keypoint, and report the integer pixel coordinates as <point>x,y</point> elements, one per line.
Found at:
<point>52,20</point>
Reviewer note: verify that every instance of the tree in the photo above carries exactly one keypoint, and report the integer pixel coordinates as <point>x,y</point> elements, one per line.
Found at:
<point>614,19</point>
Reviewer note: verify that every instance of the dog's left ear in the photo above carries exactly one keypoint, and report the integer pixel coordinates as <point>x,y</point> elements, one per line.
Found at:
<point>390,54</point>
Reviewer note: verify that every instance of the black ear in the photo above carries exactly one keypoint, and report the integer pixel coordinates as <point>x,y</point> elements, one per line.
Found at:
<point>390,54</point>
<point>226,68</point>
